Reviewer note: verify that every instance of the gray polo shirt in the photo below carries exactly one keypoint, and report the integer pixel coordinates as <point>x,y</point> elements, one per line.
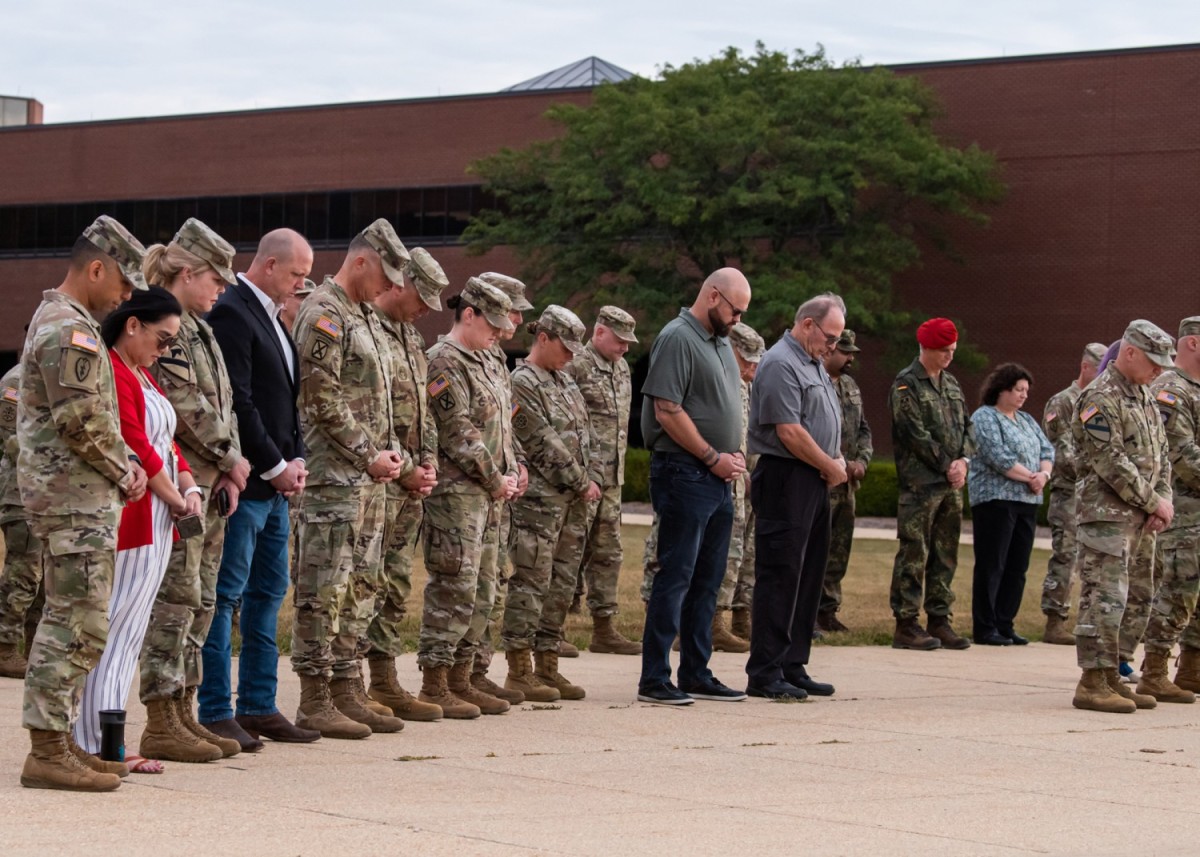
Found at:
<point>693,368</point>
<point>793,387</point>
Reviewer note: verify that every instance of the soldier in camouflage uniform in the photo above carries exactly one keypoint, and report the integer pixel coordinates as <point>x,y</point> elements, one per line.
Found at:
<point>550,420</point>
<point>602,376</point>
<point>1176,393</point>
<point>195,268</point>
<point>1124,492</point>
<point>469,395</point>
<point>21,592</point>
<point>74,472</point>
<point>857,451</point>
<point>931,435</point>
<point>414,436</point>
<point>345,407</point>
<point>1060,570</point>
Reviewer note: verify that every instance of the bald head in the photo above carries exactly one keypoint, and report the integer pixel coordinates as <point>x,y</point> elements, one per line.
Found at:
<point>723,300</point>
<point>731,282</point>
<point>281,263</point>
<point>281,244</point>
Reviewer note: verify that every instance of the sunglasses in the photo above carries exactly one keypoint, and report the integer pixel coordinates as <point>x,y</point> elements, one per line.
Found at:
<point>737,313</point>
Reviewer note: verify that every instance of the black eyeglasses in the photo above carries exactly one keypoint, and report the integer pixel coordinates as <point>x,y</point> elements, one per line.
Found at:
<point>736,312</point>
<point>829,339</point>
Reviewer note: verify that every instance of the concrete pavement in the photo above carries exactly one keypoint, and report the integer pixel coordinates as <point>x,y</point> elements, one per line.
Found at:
<point>939,753</point>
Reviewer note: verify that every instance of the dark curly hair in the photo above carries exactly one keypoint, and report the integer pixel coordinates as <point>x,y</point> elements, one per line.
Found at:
<point>1003,377</point>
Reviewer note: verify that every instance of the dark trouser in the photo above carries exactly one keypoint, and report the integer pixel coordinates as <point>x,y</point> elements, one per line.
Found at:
<point>791,545</point>
<point>695,519</point>
<point>1004,531</point>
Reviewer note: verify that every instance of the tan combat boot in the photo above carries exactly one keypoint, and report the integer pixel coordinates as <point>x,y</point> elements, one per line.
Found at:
<point>481,682</point>
<point>910,635</point>
<point>1120,688</point>
<point>567,649</point>
<point>95,762</point>
<point>166,738</point>
<point>369,703</point>
<point>51,765</point>
<point>740,623</point>
<point>1057,633</point>
<point>1187,672</point>
<point>385,688</point>
<point>1094,694</point>
<point>521,677</point>
<point>942,631</point>
<point>350,698</point>
<point>317,711</point>
<point>12,662</point>
<point>184,705</point>
<point>723,640</point>
<point>546,670</point>
<point>1154,681</point>
<point>436,691</point>
<point>458,680</point>
<point>607,640</point>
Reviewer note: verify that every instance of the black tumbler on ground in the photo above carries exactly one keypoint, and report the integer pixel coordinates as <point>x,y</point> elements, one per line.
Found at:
<point>112,736</point>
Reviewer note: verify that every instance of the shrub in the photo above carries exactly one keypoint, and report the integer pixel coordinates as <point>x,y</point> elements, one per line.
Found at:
<point>637,476</point>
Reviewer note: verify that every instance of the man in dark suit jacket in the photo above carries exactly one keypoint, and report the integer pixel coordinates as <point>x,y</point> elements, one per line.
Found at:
<point>263,365</point>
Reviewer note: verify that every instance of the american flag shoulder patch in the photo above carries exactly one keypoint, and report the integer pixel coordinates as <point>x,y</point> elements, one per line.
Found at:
<point>85,341</point>
<point>11,394</point>
<point>1167,398</point>
<point>438,385</point>
<point>1051,417</point>
<point>1088,412</point>
<point>515,408</point>
<point>328,326</point>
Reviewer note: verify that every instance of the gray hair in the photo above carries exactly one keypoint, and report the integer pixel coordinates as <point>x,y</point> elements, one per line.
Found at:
<point>817,308</point>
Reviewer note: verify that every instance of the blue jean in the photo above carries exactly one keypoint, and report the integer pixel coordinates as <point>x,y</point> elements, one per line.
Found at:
<point>695,520</point>
<point>254,571</point>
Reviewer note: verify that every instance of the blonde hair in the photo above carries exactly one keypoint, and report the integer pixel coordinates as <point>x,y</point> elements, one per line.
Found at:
<point>164,262</point>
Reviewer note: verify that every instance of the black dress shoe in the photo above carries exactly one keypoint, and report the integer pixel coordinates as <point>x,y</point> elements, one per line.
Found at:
<point>993,638</point>
<point>277,728</point>
<point>1015,638</point>
<point>778,689</point>
<point>801,679</point>
<point>229,728</point>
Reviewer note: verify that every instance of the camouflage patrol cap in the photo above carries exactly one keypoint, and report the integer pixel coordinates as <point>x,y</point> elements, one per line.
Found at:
<point>427,275</point>
<point>307,289</point>
<point>491,301</point>
<point>561,322</point>
<point>1152,340</point>
<point>199,240</point>
<point>1095,352</point>
<point>747,342</point>
<point>1190,326</point>
<point>392,252</point>
<point>846,344</point>
<point>618,321</point>
<point>512,287</point>
<point>114,240</point>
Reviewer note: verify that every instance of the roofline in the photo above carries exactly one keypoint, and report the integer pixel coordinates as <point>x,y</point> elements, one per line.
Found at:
<point>341,105</point>
<point>1067,55</point>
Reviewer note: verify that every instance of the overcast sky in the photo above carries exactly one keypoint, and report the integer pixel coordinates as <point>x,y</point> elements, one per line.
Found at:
<point>126,58</point>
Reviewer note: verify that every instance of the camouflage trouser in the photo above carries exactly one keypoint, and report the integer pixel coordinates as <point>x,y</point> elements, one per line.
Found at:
<point>537,523</point>
<point>21,592</point>
<point>1106,552</point>
<point>841,539</point>
<point>929,524</point>
<point>493,557</point>
<point>79,558</point>
<point>337,577</point>
<point>568,554</point>
<point>1142,586</point>
<point>454,532</point>
<point>1174,604</point>
<point>401,530</point>
<point>737,589</point>
<point>650,563</point>
<point>602,555</point>
<point>1060,570</point>
<point>485,648</point>
<point>183,611</point>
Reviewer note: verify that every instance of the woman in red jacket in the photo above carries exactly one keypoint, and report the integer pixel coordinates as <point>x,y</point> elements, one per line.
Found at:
<point>136,333</point>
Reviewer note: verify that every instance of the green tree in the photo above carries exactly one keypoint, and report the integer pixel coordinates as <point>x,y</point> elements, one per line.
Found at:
<point>805,175</point>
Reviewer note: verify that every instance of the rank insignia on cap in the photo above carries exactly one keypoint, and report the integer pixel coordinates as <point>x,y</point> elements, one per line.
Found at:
<point>328,326</point>
<point>1088,413</point>
<point>82,340</point>
<point>1167,398</point>
<point>438,385</point>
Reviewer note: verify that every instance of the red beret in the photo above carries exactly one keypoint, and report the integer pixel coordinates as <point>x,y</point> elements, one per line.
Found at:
<point>937,333</point>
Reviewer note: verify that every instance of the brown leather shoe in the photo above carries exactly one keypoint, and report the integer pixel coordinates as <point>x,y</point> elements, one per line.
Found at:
<point>274,726</point>
<point>229,728</point>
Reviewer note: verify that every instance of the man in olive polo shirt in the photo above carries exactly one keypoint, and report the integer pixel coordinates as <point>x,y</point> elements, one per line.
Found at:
<point>692,422</point>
